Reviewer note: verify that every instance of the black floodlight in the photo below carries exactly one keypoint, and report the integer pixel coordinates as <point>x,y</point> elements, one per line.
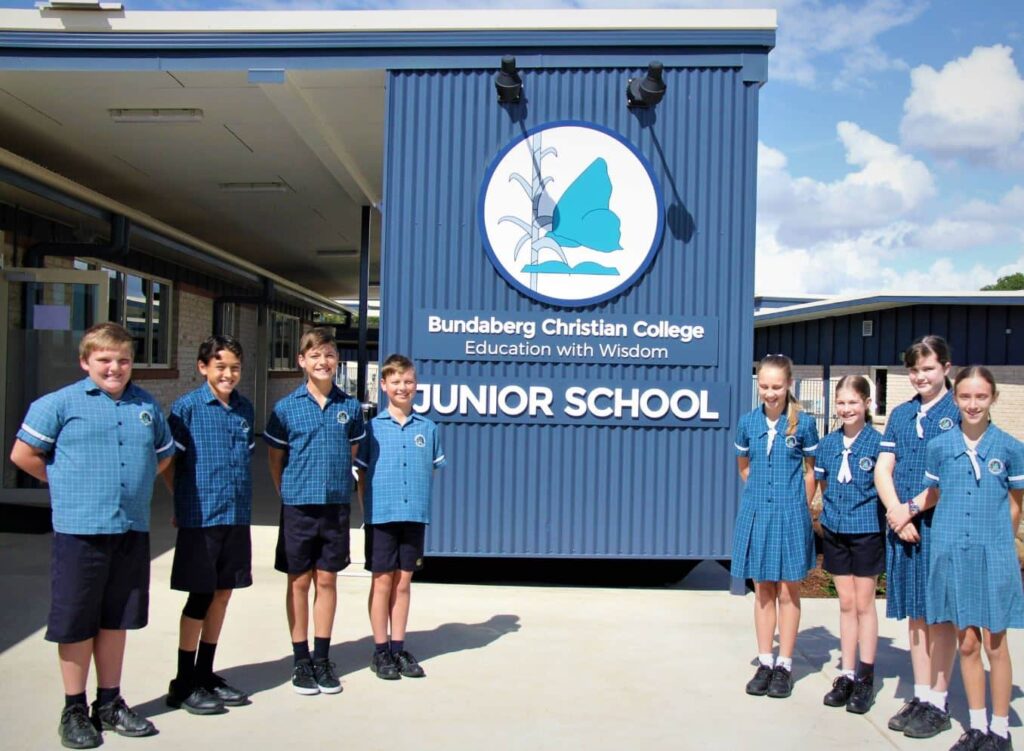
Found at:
<point>508,83</point>
<point>647,91</point>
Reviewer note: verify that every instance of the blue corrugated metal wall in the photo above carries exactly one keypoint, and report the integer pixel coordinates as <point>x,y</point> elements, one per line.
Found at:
<point>577,491</point>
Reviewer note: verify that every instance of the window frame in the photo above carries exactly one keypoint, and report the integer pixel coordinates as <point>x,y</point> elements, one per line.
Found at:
<point>283,364</point>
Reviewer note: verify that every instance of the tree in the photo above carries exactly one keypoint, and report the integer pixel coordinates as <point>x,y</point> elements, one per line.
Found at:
<point>1006,283</point>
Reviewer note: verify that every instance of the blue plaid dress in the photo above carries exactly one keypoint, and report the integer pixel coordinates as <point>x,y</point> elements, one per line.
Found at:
<point>906,564</point>
<point>974,575</point>
<point>773,540</point>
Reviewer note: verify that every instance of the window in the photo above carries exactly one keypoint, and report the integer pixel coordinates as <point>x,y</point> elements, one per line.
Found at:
<point>230,313</point>
<point>142,304</point>
<point>284,342</point>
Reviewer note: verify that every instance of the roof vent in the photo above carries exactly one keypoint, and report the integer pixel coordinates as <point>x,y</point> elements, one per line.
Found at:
<point>79,5</point>
<point>867,328</point>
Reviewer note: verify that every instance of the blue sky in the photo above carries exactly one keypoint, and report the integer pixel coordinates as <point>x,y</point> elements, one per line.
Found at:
<point>892,138</point>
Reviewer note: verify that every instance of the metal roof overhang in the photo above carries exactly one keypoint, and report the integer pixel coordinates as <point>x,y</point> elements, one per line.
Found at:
<point>850,305</point>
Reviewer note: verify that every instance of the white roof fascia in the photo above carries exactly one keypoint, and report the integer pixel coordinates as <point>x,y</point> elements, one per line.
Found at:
<point>381,21</point>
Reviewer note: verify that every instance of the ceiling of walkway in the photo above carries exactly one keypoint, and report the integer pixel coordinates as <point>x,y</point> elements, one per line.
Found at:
<point>271,172</point>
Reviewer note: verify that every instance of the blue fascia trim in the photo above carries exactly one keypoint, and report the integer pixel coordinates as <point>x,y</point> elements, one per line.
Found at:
<point>847,307</point>
<point>337,40</point>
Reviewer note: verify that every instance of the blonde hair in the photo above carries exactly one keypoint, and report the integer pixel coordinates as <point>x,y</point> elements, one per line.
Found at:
<point>793,406</point>
<point>105,335</point>
<point>395,363</point>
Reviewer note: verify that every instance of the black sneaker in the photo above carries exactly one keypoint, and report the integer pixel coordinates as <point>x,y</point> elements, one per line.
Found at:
<point>993,742</point>
<point>758,685</point>
<point>408,666</point>
<point>303,680</point>
<point>972,740</point>
<point>898,721</point>
<point>781,684</point>
<point>326,680</point>
<point>193,699</point>
<point>384,665</point>
<point>927,722</point>
<point>842,687</point>
<point>228,694</point>
<point>75,729</point>
<point>863,696</point>
<point>116,715</point>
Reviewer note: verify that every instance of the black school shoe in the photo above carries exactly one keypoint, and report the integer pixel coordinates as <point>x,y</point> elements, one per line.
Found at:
<point>898,721</point>
<point>758,685</point>
<point>303,679</point>
<point>384,665</point>
<point>842,688</point>
<point>781,684</point>
<point>994,742</point>
<point>972,740</point>
<point>862,698</point>
<point>193,699</point>
<point>228,694</point>
<point>76,730</point>
<point>116,715</point>
<point>326,679</point>
<point>927,722</point>
<point>408,666</point>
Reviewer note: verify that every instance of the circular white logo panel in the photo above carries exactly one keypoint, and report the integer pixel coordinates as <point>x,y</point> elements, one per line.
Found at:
<point>571,214</point>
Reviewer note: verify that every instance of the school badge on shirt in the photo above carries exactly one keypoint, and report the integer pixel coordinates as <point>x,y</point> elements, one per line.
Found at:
<point>342,417</point>
<point>945,423</point>
<point>995,466</point>
<point>420,440</point>
<point>145,418</point>
<point>866,463</point>
<point>791,441</point>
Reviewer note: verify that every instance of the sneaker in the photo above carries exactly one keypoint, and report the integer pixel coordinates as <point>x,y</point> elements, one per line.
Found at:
<point>758,685</point>
<point>972,740</point>
<point>781,684</point>
<point>993,742</point>
<point>193,699</point>
<point>862,698</point>
<point>228,694</point>
<point>303,680</point>
<point>326,680</point>
<point>927,722</point>
<point>898,721</point>
<point>75,729</point>
<point>122,719</point>
<point>408,666</point>
<point>384,665</point>
<point>842,687</point>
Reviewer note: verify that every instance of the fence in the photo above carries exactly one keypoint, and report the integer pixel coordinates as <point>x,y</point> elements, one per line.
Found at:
<point>811,393</point>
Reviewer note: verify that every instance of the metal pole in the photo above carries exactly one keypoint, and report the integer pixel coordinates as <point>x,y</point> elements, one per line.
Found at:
<point>364,292</point>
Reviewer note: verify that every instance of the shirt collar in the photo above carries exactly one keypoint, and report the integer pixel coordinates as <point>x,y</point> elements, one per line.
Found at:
<point>89,386</point>
<point>334,395</point>
<point>385,416</point>
<point>211,398</point>
<point>855,447</point>
<point>984,445</point>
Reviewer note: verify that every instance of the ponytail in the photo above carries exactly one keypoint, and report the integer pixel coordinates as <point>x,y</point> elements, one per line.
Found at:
<point>793,410</point>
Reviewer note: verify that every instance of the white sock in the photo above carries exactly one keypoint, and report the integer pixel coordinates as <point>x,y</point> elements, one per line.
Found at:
<point>1000,726</point>
<point>922,691</point>
<point>979,719</point>
<point>767,660</point>
<point>849,674</point>
<point>784,662</point>
<point>938,699</point>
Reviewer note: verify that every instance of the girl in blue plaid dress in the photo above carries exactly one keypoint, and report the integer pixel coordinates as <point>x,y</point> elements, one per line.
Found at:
<point>773,543</point>
<point>899,478</point>
<point>975,479</point>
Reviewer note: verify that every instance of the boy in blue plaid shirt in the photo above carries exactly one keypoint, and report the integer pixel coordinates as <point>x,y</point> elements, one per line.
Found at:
<point>396,464</point>
<point>213,432</point>
<point>99,444</point>
<point>308,438</point>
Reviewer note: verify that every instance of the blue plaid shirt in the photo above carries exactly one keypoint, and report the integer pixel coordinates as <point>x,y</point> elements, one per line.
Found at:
<point>318,442</point>
<point>850,507</point>
<point>778,476</point>
<point>901,439</point>
<point>101,456</point>
<point>400,461</point>
<point>212,483</point>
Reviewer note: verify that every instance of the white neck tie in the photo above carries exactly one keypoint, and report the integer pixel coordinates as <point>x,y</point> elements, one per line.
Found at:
<point>845,475</point>
<point>920,427</point>
<point>972,454</point>
<point>771,439</point>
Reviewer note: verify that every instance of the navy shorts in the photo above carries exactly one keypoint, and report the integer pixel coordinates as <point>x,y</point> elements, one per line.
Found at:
<point>210,558</point>
<point>853,554</point>
<point>313,537</point>
<point>394,546</point>
<point>97,582</point>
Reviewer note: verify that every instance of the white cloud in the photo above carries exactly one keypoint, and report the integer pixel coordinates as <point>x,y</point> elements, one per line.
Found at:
<point>973,108</point>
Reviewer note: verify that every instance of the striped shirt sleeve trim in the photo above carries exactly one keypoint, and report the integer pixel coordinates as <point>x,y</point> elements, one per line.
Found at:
<point>930,476</point>
<point>170,444</point>
<point>439,459</point>
<point>358,438</point>
<point>888,444</point>
<point>251,445</point>
<point>1015,478</point>
<point>818,470</point>
<point>276,440</point>
<point>37,434</point>
<point>181,447</point>
<point>361,463</point>
<point>810,448</point>
<point>741,448</point>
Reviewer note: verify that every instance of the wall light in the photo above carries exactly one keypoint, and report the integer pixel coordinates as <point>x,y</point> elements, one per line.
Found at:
<point>267,187</point>
<point>156,115</point>
<point>647,91</point>
<point>334,252</point>
<point>508,83</point>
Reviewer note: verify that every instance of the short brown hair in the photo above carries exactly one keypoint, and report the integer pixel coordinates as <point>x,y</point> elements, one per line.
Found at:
<point>317,336</point>
<point>105,335</point>
<point>395,363</point>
